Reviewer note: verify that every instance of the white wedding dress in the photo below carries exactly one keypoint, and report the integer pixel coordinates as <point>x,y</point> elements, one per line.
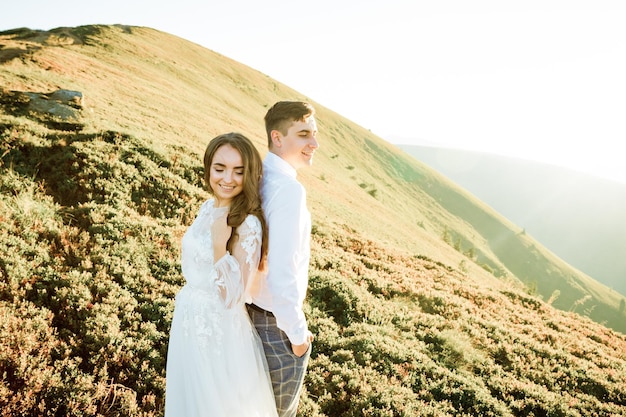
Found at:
<point>215,361</point>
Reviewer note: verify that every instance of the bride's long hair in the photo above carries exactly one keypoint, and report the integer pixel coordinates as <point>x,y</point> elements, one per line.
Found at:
<point>249,200</point>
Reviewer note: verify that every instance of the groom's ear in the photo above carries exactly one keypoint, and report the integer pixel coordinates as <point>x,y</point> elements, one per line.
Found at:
<point>276,138</point>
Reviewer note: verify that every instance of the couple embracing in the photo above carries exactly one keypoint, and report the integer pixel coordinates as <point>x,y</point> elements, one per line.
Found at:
<point>239,342</point>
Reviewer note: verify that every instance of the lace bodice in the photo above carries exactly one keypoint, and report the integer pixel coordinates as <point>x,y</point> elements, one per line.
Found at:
<point>231,276</point>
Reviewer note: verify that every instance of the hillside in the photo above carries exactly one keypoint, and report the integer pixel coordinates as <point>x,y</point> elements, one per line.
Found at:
<point>577,216</point>
<point>423,299</point>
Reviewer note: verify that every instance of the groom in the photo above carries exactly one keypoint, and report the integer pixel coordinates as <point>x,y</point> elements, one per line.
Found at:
<point>276,308</point>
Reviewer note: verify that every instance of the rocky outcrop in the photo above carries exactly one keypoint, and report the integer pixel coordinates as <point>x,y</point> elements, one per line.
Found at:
<point>60,110</point>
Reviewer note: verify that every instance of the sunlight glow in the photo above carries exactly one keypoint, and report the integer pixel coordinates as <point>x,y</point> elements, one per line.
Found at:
<point>541,80</point>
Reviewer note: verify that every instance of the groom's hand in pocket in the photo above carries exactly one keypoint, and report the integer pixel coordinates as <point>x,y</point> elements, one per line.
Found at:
<point>300,350</point>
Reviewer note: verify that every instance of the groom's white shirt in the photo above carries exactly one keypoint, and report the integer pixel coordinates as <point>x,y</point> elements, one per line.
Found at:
<point>283,285</point>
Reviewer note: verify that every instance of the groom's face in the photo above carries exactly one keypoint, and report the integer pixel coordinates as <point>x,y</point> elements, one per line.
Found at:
<point>299,144</point>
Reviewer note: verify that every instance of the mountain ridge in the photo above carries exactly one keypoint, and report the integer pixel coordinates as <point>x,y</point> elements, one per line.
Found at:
<point>578,216</point>
<point>416,287</point>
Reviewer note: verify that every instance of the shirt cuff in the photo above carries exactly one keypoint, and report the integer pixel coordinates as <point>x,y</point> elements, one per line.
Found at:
<point>299,336</point>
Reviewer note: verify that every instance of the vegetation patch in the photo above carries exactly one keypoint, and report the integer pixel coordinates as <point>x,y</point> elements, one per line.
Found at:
<point>90,231</point>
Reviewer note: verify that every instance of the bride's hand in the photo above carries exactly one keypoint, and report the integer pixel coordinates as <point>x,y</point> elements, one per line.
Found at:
<point>220,233</point>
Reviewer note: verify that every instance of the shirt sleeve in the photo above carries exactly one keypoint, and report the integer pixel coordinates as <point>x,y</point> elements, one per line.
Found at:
<point>235,272</point>
<point>288,260</point>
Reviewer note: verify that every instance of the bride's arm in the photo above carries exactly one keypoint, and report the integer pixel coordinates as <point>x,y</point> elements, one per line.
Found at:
<point>236,270</point>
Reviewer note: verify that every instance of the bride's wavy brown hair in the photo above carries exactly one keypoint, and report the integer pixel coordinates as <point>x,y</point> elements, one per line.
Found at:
<point>249,200</point>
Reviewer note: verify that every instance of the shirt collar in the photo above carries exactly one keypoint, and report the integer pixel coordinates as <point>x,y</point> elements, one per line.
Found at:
<point>276,163</point>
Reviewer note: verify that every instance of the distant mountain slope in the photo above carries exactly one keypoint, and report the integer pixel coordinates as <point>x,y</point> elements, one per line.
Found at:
<point>423,299</point>
<point>580,218</point>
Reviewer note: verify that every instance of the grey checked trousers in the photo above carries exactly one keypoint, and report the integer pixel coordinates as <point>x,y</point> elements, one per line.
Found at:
<point>286,369</point>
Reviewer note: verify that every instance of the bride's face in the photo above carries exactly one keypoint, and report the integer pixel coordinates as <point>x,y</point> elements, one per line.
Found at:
<point>226,175</point>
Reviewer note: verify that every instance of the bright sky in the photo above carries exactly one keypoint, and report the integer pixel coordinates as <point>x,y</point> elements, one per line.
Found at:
<point>536,79</point>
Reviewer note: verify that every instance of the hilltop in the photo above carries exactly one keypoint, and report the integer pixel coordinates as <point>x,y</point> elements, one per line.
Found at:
<point>424,300</point>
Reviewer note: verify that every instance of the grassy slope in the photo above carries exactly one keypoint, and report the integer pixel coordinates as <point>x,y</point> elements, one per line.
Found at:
<point>578,216</point>
<point>402,255</point>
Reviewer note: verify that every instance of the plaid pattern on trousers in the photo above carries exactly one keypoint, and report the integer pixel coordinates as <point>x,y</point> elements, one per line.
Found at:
<point>286,369</point>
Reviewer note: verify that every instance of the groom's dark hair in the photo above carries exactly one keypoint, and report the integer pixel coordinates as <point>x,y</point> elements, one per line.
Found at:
<point>282,114</point>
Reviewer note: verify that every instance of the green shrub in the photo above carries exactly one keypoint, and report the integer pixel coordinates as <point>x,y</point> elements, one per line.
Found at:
<point>89,267</point>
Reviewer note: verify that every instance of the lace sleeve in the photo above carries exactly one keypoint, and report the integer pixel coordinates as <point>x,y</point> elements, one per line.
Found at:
<point>236,271</point>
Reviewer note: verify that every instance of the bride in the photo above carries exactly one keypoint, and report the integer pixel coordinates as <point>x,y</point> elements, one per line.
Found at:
<point>215,361</point>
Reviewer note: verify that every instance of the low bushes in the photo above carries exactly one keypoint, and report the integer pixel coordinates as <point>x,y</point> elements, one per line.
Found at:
<point>89,249</point>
